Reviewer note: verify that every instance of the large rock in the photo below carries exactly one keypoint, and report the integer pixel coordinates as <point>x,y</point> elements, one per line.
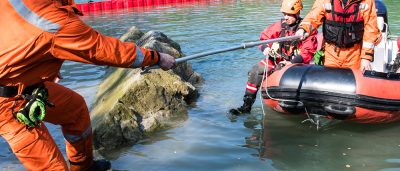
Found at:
<point>129,104</point>
<point>161,43</point>
<point>132,35</point>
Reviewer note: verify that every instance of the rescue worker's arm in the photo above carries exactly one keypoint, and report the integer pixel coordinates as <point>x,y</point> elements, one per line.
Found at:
<point>77,41</point>
<point>372,35</point>
<point>314,18</point>
<point>271,32</point>
<point>309,47</point>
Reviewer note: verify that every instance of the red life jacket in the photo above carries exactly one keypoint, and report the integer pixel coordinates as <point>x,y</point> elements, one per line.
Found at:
<point>287,49</point>
<point>343,27</point>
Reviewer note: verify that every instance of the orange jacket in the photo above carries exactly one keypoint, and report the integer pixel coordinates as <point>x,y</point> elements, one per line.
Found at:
<point>38,35</point>
<point>371,36</point>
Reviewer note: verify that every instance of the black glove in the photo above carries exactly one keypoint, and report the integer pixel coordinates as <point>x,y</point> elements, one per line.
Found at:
<point>166,61</point>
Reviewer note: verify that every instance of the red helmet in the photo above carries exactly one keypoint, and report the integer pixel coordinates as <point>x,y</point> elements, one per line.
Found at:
<point>291,6</point>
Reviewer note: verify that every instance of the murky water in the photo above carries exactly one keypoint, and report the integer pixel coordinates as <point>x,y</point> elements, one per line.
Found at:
<point>208,140</point>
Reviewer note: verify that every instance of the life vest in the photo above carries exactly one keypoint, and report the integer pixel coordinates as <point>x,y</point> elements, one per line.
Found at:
<point>288,49</point>
<point>343,27</point>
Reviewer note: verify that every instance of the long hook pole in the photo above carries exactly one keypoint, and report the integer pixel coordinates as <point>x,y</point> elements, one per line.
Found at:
<point>242,46</point>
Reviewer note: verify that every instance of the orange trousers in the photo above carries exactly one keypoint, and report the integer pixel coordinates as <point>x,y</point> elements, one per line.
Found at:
<point>35,147</point>
<point>342,57</point>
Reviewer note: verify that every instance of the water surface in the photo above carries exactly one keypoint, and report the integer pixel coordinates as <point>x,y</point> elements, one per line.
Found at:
<point>208,140</point>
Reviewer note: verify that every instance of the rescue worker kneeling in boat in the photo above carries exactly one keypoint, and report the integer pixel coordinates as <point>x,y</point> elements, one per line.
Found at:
<point>350,31</point>
<point>278,53</point>
<point>37,36</point>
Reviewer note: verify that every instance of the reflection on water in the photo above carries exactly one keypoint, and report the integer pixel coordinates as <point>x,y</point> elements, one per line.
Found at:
<point>208,140</point>
<point>294,146</point>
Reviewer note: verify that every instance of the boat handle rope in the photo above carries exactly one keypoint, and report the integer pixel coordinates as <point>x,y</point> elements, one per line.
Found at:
<point>314,120</point>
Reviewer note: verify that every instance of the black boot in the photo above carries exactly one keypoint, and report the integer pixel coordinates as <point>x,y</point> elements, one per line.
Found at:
<point>100,165</point>
<point>248,101</point>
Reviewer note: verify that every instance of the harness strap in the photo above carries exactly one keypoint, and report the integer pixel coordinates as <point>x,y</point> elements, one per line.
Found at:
<point>356,12</point>
<point>11,91</point>
<point>6,91</point>
<point>345,15</point>
<point>340,24</point>
<point>333,10</point>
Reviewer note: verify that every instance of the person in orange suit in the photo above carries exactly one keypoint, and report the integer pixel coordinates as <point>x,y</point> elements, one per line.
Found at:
<point>350,31</point>
<point>37,36</point>
<point>283,53</point>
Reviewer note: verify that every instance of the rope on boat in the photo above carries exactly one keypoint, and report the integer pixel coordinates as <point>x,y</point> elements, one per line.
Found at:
<point>314,120</point>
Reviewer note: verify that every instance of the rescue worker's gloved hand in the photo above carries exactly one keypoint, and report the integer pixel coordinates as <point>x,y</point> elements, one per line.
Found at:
<point>365,64</point>
<point>275,47</point>
<point>303,33</point>
<point>272,51</point>
<point>266,51</point>
<point>166,61</point>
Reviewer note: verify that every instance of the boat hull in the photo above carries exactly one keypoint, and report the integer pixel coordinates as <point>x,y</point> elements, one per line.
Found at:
<point>337,93</point>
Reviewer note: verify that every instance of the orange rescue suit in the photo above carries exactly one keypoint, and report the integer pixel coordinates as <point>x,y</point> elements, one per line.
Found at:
<point>36,37</point>
<point>355,11</point>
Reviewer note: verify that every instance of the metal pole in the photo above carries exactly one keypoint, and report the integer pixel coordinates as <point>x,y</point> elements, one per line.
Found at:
<point>242,46</point>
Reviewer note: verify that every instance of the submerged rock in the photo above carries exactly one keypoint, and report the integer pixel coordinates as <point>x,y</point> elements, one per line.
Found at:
<point>129,104</point>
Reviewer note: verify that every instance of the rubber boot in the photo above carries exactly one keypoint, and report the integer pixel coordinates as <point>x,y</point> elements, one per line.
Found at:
<point>248,101</point>
<point>100,165</point>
